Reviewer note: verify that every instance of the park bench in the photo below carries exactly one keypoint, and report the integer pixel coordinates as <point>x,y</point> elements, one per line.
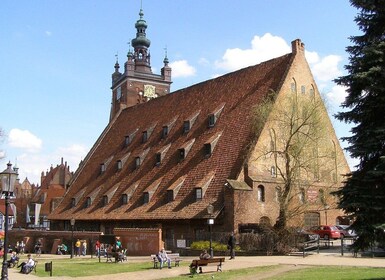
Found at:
<point>199,263</point>
<point>174,257</point>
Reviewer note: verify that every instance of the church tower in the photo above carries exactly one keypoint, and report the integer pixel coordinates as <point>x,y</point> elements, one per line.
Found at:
<point>137,84</point>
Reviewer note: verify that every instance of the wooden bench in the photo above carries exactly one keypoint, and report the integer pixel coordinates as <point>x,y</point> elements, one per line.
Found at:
<point>174,257</point>
<point>199,263</point>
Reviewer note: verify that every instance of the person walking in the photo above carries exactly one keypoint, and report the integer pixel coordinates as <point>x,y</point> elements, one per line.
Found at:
<point>231,246</point>
<point>77,248</point>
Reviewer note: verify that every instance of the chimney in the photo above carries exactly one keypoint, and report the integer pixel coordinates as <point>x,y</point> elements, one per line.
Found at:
<point>297,46</point>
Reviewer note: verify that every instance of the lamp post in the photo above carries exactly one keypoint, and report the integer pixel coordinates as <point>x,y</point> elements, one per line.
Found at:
<point>326,214</point>
<point>210,222</point>
<point>72,221</point>
<point>8,179</point>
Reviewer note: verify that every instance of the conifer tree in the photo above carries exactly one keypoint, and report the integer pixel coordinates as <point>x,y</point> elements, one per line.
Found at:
<point>363,195</point>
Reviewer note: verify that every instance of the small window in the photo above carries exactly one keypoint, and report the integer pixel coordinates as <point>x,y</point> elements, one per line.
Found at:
<point>170,195</point>
<point>105,200</point>
<point>73,202</point>
<point>273,172</point>
<point>182,154</point>
<point>198,193</point>
<point>144,137</point>
<point>212,120</point>
<point>165,132</point>
<point>88,202</point>
<point>119,165</point>
<point>102,168</point>
<point>292,87</point>
<point>124,198</point>
<point>146,198</point>
<point>261,193</point>
<point>137,162</point>
<point>127,140</point>
<point>303,89</point>
<point>186,126</point>
<point>208,150</point>
<point>158,159</point>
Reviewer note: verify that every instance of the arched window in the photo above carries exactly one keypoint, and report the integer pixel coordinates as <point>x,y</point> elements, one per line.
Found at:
<point>261,193</point>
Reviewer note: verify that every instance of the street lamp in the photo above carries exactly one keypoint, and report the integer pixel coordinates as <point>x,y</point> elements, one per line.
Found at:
<point>210,222</point>
<point>72,221</point>
<point>8,178</point>
<point>326,214</point>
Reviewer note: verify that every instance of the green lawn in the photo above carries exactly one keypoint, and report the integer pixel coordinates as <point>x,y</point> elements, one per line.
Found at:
<point>78,267</point>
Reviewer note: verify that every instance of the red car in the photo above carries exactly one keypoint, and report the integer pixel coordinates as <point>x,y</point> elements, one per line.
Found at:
<point>326,232</point>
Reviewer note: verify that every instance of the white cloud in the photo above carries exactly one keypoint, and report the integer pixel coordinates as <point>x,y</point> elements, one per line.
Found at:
<point>48,33</point>
<point>262,49</point>
<point>31,165</point>
<point>181,68</point>
<point>337,94</point>
<point>326,69</point>
<point>24,139</point>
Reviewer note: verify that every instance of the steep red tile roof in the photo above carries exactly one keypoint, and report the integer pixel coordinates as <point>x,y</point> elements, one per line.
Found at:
<point>236,92</point>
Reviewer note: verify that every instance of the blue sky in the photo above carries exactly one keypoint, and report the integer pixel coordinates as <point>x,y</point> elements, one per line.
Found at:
<point>57,57</point>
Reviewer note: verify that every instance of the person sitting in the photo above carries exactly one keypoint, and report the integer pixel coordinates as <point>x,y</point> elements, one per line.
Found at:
<point>13,260</point>
<point>26,267</point>
<point>204,255</point>
<point>162,257</point>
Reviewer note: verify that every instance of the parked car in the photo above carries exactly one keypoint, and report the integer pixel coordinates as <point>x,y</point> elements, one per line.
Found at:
<point>326,232</point>
<point>346,232</point>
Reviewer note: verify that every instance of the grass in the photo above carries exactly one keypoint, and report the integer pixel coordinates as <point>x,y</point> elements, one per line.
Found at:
<point>79,267</point>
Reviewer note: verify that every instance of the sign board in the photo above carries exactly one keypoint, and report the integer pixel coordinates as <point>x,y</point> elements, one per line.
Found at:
<point>181,243</point>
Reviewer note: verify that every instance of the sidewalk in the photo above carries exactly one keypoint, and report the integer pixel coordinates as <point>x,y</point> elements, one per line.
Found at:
<point>238,263</point>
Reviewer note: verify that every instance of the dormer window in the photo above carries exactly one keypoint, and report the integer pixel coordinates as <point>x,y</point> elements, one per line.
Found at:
<point>129,138</point>
<point>105,200</point>
<point>137,162</point>
<point>144,137</point>
<point>102,168</point>
<point>186,126</point>
<point>188,123</point>
<point>170,195</point>
<point>158,157</point>
<point>146,198</point>
<point>184,150</point>
<point>182,154</point>
<point>88,202</point>
<point>124,198</point>
<point>73,202</point>
<point>215,115</point>
<point>164,132</point>
<point>198,193</point>
<point>210,144</point>
<point>119,165</point>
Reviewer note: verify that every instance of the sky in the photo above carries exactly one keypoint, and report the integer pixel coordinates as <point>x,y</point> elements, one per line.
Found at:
<point>57,57</point>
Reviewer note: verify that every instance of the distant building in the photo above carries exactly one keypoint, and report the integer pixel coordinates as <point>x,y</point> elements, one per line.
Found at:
<point>164,163</point>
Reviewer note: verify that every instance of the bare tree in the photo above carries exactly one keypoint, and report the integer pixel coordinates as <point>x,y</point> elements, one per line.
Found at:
<point>296,124</point>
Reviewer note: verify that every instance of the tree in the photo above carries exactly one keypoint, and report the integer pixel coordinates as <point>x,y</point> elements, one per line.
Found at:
<point>363,194</point>
<point>297,127</point>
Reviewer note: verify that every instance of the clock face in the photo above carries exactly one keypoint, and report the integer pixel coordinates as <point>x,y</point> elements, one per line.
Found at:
<point>149,91</point>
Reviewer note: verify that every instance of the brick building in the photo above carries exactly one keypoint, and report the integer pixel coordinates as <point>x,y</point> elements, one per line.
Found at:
<point>160,164</point>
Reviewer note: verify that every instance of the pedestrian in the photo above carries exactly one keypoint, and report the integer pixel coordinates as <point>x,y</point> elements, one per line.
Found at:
<point>231,246</point>
<point>84,247</point>
<point>77,248</point>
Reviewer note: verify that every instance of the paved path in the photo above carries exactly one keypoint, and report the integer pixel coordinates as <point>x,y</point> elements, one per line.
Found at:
<point>289,262</point>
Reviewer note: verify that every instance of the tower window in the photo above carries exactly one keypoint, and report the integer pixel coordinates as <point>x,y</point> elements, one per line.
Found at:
<point>273,172</point>
<point>261,193</point>
<point>303,89</point>
<point>118,93</point>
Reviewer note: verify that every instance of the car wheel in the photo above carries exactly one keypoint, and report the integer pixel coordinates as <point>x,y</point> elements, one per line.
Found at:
<point>326,237</point>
